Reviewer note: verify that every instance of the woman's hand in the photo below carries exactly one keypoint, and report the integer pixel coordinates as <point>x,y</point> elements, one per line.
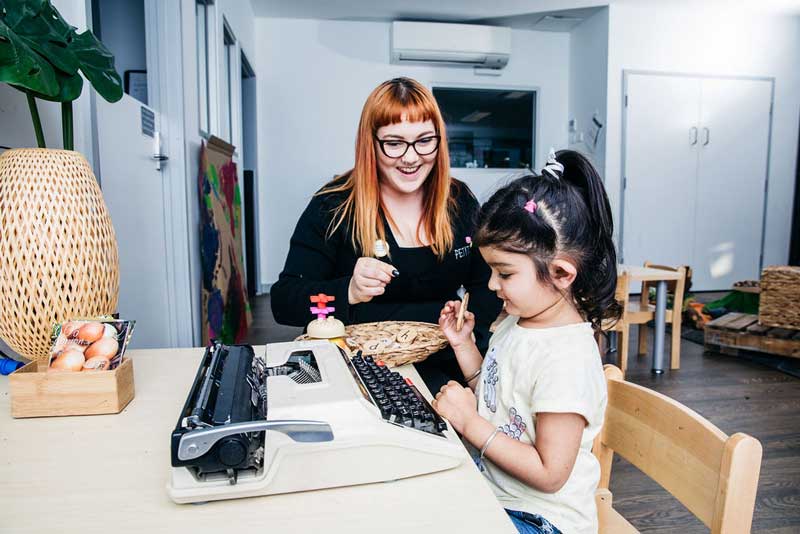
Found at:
<point>369,280</point>
<point>457,404</point>
<point>447,323</point>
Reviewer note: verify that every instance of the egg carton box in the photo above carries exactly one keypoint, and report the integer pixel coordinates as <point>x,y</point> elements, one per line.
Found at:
<point>87,372</point>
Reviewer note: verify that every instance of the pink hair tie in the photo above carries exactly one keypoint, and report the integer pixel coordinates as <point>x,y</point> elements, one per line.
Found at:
<point>530,206</point>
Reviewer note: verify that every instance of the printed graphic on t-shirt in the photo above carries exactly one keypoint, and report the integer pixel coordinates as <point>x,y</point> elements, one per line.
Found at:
<point>490,378</point>
<point>515,426</point>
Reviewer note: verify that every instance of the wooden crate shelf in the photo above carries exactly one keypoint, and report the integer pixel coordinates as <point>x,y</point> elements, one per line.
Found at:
<point>741,331</point>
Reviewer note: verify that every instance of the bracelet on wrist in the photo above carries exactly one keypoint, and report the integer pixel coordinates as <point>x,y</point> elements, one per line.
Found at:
<point>473,376</point>
<point>489,441</point>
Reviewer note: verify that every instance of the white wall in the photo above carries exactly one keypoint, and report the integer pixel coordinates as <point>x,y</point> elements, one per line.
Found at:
<point>702,39</point>
<point>314,77</point>
<point>588,73</point>
<point>240,18</point>
<point>16,127</point>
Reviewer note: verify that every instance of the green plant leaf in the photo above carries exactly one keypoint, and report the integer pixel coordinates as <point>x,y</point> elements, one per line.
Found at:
<point>21,66</point>
<point>69,88</point>
<point>42,28</point>
<point>97,64</point>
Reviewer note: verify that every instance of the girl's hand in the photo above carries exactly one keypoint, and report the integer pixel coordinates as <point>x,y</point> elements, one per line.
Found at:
<point>369,280</point>
<point>447,323</point>
<point>457,404</point>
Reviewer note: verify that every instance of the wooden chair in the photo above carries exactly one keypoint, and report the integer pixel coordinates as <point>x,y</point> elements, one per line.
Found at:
<point>713,475</point>
<point>622,327</point>
<point>642,312</point>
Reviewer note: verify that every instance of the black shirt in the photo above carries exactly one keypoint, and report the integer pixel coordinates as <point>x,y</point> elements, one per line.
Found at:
<point>317,263</point>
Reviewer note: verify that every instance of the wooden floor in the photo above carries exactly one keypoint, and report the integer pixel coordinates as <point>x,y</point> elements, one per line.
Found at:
<point>734,394</point>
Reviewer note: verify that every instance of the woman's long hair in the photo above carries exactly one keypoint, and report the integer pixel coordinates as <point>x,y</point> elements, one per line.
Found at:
<point>393,101</point>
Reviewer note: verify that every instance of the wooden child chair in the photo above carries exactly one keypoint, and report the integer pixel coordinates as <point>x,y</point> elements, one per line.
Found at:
<point>621,326</point>
<point>642,312</point>
<point>713,475</point>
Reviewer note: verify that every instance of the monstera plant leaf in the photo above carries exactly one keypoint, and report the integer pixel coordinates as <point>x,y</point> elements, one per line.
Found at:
<point>37,24</point>
<point>97,64</point>
<point>22,67</point>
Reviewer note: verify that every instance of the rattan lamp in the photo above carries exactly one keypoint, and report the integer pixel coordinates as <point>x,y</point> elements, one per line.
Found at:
<point>58,252</point>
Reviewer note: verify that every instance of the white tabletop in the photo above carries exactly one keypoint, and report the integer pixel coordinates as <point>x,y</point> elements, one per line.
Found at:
<point>109,472</point>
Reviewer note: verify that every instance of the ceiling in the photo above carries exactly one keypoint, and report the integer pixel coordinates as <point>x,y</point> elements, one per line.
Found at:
<point>519,14</point>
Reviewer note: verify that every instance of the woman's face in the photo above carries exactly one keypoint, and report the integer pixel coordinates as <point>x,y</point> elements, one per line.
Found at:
<point>405,174</point>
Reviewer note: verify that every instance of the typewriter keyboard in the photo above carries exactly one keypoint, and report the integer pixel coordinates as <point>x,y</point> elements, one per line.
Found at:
<point>398,398</point>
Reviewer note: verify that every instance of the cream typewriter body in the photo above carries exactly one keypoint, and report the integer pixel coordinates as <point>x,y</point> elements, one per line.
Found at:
<point>303,417</point>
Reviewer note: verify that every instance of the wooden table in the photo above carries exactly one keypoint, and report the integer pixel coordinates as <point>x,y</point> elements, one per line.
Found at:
<point>109,472</point>
<point>639,273</point>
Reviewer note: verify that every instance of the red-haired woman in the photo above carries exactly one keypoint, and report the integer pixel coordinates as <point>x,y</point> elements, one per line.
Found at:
<point>399,198</point>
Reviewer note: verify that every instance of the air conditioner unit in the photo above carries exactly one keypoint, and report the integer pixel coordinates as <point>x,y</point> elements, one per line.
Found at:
<point>450,44</point>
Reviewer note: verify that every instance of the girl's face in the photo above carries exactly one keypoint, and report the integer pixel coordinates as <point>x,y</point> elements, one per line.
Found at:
<point>406,173</point>
<point>515,282</point>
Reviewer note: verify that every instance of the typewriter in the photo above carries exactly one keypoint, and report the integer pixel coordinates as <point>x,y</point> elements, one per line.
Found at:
<point>304,416</point>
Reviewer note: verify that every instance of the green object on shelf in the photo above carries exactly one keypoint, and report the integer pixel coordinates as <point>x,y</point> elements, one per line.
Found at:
<point>736,301</point>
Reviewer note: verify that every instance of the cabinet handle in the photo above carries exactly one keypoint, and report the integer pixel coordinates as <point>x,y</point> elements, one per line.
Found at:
<point>693,131</point>
<point>708,136</point>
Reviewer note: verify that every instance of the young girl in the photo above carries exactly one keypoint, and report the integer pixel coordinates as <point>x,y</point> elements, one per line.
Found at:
<point>541,393</point>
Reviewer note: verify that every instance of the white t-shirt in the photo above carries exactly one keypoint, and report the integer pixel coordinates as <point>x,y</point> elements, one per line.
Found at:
<point>527,371</point>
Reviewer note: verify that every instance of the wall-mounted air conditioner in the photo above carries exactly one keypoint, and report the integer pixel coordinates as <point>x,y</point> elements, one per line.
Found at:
<point>451,44</point>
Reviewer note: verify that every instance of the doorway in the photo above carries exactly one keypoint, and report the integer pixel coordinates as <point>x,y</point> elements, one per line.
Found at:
<point>250,184</point>
<point>140,164</point>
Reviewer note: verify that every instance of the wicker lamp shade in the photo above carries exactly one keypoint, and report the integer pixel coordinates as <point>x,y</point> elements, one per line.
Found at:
<point>58,252</point>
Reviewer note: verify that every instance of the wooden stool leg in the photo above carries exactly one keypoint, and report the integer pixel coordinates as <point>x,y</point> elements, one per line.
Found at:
<point>675,348</point>
<point>642,340</point>
<point>622,349</point>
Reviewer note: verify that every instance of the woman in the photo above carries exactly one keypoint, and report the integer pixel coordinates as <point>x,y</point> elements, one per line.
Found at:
<point>399,196</point>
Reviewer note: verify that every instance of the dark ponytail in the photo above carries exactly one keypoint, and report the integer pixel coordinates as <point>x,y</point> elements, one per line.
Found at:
<point>573,218</point>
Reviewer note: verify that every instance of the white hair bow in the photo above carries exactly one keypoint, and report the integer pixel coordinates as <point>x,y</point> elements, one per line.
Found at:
<point>553,167</point>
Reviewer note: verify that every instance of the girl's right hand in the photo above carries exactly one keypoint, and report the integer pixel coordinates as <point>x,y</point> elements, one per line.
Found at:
<point>369,280</point>
<point>447,323</point>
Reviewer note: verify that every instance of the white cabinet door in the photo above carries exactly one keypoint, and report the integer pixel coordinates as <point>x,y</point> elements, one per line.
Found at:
<point>732,170</point>
<point>660,168</point>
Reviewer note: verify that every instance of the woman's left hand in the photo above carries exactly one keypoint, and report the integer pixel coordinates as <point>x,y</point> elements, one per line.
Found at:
<point>457,404</point>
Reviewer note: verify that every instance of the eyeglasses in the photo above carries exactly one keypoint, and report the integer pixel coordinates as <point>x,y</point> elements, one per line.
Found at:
<point>397,148</point>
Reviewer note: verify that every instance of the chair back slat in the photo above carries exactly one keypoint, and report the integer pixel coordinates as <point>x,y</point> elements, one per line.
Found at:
<point>713,475</point>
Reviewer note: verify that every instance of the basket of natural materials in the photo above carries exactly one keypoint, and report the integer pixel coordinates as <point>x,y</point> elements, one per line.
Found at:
<point>394,342</point>
<point>779,305</point>
<point>85,373</point>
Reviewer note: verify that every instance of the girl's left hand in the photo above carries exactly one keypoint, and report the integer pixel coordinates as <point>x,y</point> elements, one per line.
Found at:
<point>457,404</point>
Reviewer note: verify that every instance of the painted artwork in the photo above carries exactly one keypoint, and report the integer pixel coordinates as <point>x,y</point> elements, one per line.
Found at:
<point>225,309</point>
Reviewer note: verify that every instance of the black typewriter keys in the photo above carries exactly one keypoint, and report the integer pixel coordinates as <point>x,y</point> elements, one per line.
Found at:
<point>398,400</point>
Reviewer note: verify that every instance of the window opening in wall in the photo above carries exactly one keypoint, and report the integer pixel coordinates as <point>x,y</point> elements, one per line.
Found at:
<point>120,25</point>
<point>202,11</point>
<point>488,128</point>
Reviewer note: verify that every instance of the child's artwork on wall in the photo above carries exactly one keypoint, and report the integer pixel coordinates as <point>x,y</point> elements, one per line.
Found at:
<point>225,308</point>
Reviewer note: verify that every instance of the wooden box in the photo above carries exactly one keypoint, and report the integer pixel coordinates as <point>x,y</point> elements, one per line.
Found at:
<point>36,393</point>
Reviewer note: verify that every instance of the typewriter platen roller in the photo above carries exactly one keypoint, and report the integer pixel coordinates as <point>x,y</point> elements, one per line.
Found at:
<point>303,416</point>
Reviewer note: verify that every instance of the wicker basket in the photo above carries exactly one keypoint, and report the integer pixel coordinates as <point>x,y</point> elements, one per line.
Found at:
<point>394,342</point>
<point>779,305</point>
<point>58,253</point>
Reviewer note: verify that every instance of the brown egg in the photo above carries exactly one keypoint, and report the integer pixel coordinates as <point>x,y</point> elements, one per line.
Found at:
<point>69,360</point>
<point>105,347</point>
<point>90,332</point>
<point>69,328</point>
<point>98,363</point>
